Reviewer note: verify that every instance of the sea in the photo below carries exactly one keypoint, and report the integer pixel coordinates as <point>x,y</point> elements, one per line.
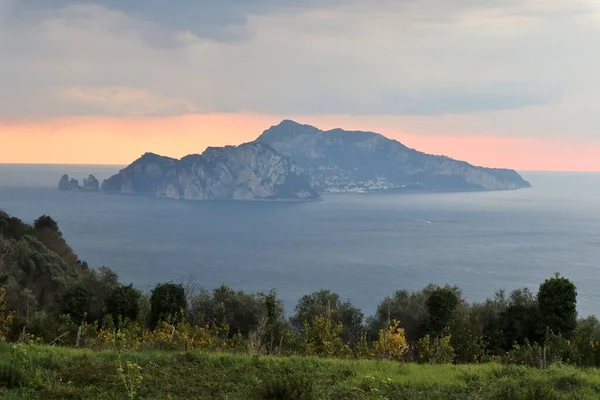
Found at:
<point>362,246</point>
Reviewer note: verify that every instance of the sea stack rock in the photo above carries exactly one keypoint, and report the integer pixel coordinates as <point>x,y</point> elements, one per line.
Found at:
<point>91,184</point>
<point>74,184</point>
<point>63,184</point>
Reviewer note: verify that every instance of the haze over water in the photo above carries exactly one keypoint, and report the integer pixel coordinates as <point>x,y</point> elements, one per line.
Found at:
<point>362,246</point>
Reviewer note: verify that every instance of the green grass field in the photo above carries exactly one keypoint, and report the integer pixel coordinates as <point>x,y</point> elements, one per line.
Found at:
<point>43,372</point>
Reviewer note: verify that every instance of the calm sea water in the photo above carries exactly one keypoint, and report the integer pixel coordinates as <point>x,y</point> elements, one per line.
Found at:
<point>362,246</point>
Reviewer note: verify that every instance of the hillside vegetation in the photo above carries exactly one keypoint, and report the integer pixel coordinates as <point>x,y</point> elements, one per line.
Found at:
<point>41,372</point>
<point>184,340</point>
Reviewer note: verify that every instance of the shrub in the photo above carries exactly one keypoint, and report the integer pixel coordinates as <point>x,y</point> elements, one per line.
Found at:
<point>392,341</point>
<point>322,337</point>
<point>436,350</point>
<point>6,317</point>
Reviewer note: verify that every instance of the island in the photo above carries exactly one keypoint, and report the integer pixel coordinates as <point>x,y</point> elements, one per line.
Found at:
<point>293,161</point>
<point>357,161</point>
<point>251,171</point>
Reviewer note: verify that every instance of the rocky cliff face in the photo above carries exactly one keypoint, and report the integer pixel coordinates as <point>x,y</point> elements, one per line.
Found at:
<point>248,171</point>
<point>64,184</point>
<point>339,160</point>
<point>90,184</point>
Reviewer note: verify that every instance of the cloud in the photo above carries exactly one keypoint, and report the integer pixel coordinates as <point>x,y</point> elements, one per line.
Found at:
<point>124,100</point>
<point>217,20</point>
<point>406,58</point>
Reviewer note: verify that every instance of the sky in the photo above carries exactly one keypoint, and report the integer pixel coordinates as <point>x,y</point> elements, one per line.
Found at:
<point>501,83</point>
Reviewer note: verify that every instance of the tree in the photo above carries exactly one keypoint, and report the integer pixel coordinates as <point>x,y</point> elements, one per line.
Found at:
<point>466,335</point>
<point>441,305</point>
<point>123,304</point>
<point>242,312</point>
<point>586,338</point>
<point>437,350</point>
<point>322,337</point>
<point>276,323</point>
<point>100,285</point>
<point>167,303</point>
<point>520,319</point>
<point>557,302</point>
<point>326,302</point>
<point>75,302</point>
<point>408,308</point>
<point>488,316</point>
<point>45,222</point>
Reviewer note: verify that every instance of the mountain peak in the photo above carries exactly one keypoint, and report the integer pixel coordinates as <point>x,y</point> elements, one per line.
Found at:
<point>291,124</point>
<point>153,157</point>
<point>288,122</point>
<point>150,155</point>
<point>340,160</point>
<point>287,128</point>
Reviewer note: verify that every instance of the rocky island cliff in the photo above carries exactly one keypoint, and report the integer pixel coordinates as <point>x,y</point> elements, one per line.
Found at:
<point>291,161</point>
<point>346,161</point>
<point>90,184</point>
<point>245,172</point>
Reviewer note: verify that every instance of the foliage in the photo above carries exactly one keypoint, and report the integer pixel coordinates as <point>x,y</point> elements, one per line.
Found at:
<point>289,387</point>
<point>6,316</point>
<point>49,296</point>
<point>488,316</point>
<point>322,337</point>
<point>46,222</point>
<point>275,325</point>
<point>55,372</point>
<point>557,301</point>
<point>13,228</point>
<point>392,342</point>
<point>100,285</point>
<point>404,306</point>
<point>441,305</point>
<point>586,340</point>
<point>75,302</point>
<point>123,304</point>
<point>242,312</point>
<point>130,373</point>
<point>436,350</point>
<point>520,319</point>
<point>324,302</point>
<point>168,303</point>
<point>467,336</point>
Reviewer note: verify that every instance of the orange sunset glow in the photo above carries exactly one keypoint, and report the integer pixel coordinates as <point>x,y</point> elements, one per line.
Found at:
<point>102,82</point>
<point>120,140</point>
